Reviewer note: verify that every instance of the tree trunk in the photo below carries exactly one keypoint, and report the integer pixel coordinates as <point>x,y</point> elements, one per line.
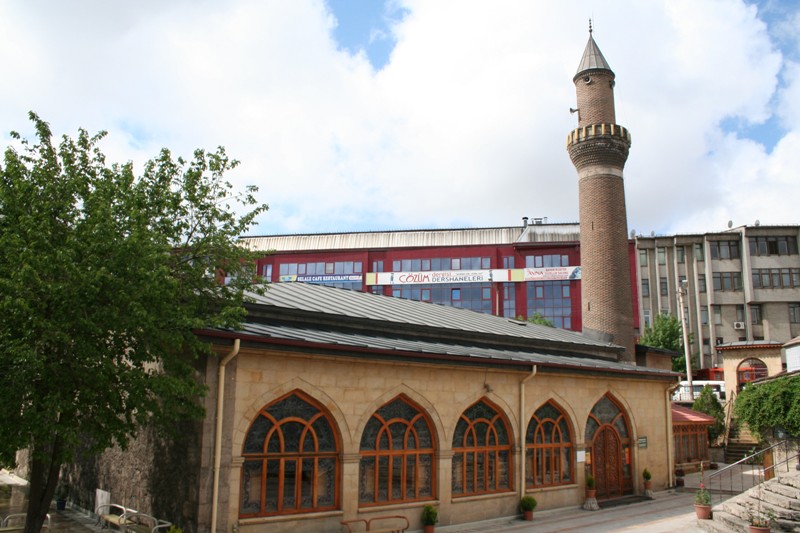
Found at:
<point>43,481</point>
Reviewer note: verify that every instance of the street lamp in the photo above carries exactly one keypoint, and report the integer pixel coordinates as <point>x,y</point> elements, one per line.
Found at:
<point>684,284</point>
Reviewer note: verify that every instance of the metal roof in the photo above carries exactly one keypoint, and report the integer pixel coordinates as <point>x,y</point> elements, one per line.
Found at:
<point>414,238</point>
<point>411,347</point>
<point>592,58</point>
<point>324,300</point>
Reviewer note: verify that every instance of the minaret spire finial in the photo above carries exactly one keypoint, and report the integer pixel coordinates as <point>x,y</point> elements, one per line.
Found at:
<point>590,27</point>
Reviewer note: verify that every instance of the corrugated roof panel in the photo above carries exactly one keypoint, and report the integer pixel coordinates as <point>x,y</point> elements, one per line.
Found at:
<point>342,302</point>
<point>357,340</point>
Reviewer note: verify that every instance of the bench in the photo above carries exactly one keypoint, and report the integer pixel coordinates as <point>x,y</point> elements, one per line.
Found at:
<point>19,520</point>
<point>389,524</point>
<point>126,519</point>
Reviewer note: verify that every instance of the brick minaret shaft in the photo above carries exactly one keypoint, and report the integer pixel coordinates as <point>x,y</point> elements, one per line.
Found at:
<point>598,149</point>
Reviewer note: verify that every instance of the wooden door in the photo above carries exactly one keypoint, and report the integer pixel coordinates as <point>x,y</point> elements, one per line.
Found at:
<point>607,459</point>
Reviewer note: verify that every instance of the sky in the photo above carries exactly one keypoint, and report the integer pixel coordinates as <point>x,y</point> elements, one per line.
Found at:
<point>370,115</point>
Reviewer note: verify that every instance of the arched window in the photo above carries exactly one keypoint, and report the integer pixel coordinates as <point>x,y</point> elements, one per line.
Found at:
<point>549,450</point>
<point>291,459</point>
<point>481,451</point>
<point>750,370</point>
<point>397,455</point>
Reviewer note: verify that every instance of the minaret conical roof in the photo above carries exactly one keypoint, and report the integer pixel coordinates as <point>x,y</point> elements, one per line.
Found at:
<point>592,58</point>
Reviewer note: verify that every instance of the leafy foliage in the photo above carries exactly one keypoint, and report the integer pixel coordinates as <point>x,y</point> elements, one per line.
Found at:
<point>538,318</point>
<point>708,403</point>
<point>666,333</point>
<point>104,277</point>
<point>771,404</point>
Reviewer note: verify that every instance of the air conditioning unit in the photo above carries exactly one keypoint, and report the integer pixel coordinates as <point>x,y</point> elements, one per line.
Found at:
<point>738,325</point>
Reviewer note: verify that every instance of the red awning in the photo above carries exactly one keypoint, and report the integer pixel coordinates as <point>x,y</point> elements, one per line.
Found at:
<point>684,415</point>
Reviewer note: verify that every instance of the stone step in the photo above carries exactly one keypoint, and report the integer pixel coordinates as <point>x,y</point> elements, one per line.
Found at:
<point>790,479</point>
<point>724,521</point>
<point>786,489</point>
<point>716,526</point>
<point>773,494</point>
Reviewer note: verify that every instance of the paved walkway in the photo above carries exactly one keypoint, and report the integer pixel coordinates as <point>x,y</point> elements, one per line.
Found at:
<point>670,511</point>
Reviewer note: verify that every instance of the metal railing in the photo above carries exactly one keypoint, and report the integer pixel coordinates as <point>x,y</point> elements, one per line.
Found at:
<point>751,470</point>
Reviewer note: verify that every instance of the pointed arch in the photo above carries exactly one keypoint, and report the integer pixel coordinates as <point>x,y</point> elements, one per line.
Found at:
<point>291,457</point>
<point>608,437</point>
<point>549,447</point>
<point>397,454</point>
<point>482,451</point>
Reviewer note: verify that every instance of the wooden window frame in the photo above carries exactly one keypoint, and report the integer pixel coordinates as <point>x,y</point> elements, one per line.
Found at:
<point>293,461</point>
<point>553,451</point>
<point>404,454</point>
<point>489,453</point>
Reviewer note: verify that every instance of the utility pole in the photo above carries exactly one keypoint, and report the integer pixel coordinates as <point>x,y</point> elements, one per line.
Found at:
<point>683,287</point>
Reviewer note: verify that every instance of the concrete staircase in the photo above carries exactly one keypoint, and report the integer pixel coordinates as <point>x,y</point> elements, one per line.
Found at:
<point>779,497</point>
<point>741,443</point>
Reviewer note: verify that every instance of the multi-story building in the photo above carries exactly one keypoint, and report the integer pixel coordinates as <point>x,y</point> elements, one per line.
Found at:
<point>740,285</point>
<point>514,271</point>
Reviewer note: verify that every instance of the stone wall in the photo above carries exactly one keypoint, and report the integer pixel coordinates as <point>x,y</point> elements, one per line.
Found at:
<point>353,388</point>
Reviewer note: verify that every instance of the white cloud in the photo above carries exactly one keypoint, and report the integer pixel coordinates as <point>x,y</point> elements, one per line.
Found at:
<point>465,126</point>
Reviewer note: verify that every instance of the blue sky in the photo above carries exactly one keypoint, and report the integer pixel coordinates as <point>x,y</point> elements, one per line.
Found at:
<point>368,115</point>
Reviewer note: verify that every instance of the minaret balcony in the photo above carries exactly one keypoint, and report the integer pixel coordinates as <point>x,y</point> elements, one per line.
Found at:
<point>598,130</point>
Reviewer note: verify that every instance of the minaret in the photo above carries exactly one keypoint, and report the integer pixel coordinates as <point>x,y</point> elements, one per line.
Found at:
<point>598,149</point>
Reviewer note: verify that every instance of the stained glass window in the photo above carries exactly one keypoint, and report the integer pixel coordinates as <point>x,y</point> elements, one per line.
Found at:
<point>482,459</point>
<point>549,451</point>
<point>397,462</point>
<point>291,460</point>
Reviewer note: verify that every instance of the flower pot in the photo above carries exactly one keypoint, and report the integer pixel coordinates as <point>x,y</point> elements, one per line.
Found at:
<point>527,515</point>
<point>703,511</point>
<point>679,482</point>
<point>759,529</point>
<point>591,493</point>
<point>428,529</point>
<point>648,485</point>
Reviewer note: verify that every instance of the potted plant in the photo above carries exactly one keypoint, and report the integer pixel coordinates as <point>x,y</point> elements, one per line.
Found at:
<point>760,523</point>
<point>648,485</point>
<point>527,504</point>
<point>591,492</point>
<point>430,516</point>
<point>702,503</point>
<point>679,473</point>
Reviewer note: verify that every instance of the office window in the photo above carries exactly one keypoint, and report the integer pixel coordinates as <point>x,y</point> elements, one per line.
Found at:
<point>776,278</point>
<point>740,313</point>
<point>266,272</point>
<point>727,281</point>
<point>786,245</point>
<point>646,318</point>
<point>642,257</point>
<point>645,288</point>
<point>547,261</point>
<point>664,286</point>
<point>719,340</point>
<point>755,314</point>
<point>794,313</point>
<point>699,254</point>
<point>704,315</point>
<point>724,249</point>
<point>717,310</point>
<point>680,253</point>
<point>701,283</point>
<point>377,266</point>
<point>508,262</point>
<point>662,256</point>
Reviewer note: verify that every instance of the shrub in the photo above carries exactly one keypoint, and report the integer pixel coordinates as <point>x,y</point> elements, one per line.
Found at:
<point>528,503</point>
<point>590,482</point>
<point>429,515</point>
<point>702,496</point>
<point>646,475</point>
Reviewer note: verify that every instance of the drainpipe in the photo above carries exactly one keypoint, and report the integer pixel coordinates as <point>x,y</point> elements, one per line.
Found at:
<point>218,433</point>
<point>522,428</point>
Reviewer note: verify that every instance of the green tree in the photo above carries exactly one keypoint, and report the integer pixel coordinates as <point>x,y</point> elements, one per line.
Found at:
<point>666,333</point>
<point>103,278</point>
<point>539,318</point>
<point>769,405</point>
<point>708,403</point>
